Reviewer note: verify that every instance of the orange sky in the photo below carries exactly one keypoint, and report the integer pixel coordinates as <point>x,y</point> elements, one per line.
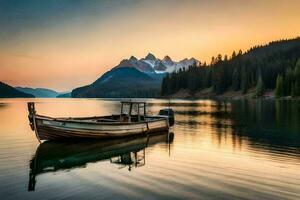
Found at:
<point>43,46</point>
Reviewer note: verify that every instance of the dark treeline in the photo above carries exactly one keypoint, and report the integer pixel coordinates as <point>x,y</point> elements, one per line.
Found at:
<point>272,66</point>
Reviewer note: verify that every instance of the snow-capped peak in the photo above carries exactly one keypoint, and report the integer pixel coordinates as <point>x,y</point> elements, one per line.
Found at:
<point>133,58</point>
<point>168,61</point>
<point>151,64</point>
<point>167,58</point>
<point>150,56</point>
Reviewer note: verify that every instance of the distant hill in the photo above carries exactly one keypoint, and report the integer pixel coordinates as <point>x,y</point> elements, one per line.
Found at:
<point>121,82</point>
<point>7,91</point>
<point>64,95</point>
<point>39,92</point>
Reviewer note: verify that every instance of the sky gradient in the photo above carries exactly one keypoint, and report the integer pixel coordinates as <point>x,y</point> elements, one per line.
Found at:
<point>63,44</point>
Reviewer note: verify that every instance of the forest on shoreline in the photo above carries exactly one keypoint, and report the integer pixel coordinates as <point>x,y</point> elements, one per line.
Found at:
<point>272,67</point>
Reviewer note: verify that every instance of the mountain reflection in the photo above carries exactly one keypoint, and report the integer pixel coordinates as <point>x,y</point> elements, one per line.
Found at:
<point>52,156</point>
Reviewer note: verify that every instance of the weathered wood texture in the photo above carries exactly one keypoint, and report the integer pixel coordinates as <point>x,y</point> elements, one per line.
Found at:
<point>52,129</point>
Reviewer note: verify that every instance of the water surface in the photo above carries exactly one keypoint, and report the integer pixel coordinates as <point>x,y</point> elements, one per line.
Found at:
<point>219,150</point>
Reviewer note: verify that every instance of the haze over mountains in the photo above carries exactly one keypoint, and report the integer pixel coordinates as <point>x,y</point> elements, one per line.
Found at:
<point>273,67</point>
<point>39,92</point>
<point>134,78</point>
<point>7,91</point>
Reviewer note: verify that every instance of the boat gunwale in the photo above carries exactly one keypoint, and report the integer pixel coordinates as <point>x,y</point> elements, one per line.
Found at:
<point>80,120</point>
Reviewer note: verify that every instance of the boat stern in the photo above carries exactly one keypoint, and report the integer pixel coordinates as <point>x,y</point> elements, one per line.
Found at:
<point>168,113</point>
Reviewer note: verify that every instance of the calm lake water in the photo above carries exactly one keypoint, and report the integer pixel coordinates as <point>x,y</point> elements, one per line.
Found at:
<point>219,150</point>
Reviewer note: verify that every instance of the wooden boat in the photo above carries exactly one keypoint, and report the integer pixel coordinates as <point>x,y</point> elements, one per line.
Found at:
<point>53,156</point>
<point>132,120</point>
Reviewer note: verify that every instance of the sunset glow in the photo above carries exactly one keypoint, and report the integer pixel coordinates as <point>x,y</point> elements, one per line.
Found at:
<point>62,44</point>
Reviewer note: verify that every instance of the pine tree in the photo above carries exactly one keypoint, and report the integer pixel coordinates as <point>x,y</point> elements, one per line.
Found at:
<point>225,58</point>
<point>260,87</point>
<point>297,88</point>
<point>218,58</point>
<point>297,78</point>
<point>212,62</point>
<point>233,54</point>
<point>165,87</point>
<point>288,81</point>
<point>279,86</point>
<point>240,53</point>
<point>244,80</point>
<point>235,80</point>
<point>293,91</point>
<point>207,80</point>
<point>218,79</point>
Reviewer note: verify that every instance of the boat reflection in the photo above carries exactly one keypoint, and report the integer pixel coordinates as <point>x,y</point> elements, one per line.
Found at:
<point>52,156</point>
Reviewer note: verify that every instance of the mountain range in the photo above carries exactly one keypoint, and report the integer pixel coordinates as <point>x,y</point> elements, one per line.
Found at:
<point>151,64</point>
<point>134,78</point>
<point>39,92</point>
<point>7,91</point>
<point>273,67</point>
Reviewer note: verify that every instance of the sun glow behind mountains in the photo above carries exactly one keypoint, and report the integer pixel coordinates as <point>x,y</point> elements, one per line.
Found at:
<point>62,45</point>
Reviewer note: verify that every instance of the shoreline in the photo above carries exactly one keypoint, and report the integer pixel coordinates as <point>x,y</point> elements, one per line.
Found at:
<point>184,96</point>
<point>228,95</point>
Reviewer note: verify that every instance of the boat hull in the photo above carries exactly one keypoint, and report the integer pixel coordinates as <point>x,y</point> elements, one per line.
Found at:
<point>53,129</point>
